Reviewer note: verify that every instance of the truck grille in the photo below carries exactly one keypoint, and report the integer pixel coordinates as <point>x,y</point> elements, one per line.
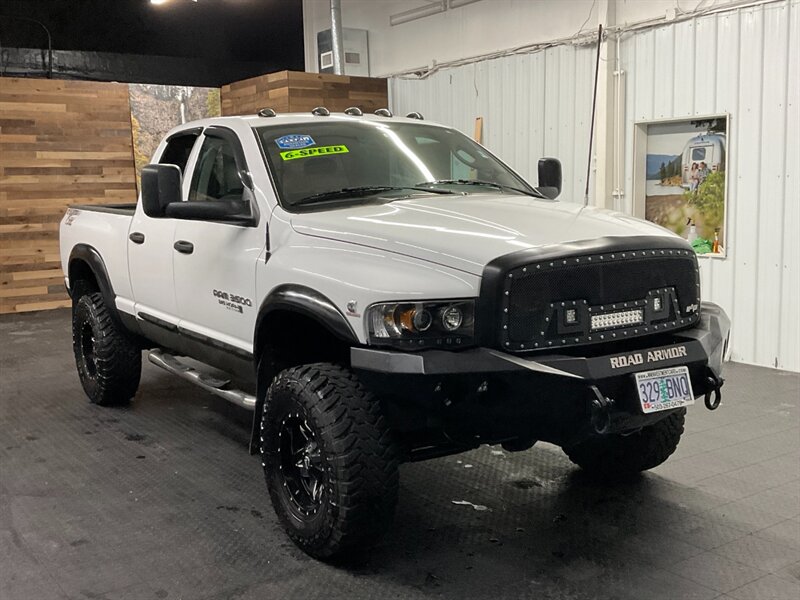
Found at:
<point>596,297</point>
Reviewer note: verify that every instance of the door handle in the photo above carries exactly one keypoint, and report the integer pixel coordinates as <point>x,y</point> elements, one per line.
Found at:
<point>136,237</point>
<point>184,247</point>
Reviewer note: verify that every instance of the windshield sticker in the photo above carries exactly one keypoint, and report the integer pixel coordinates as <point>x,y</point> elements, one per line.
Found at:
<point>309,152</point>
<point>294,140</point>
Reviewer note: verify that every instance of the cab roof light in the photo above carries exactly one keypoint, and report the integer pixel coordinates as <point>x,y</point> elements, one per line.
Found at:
<point>266,112</point>
<point>383,112</point>
<point>415,115</point>
<point>353,111</point>
<point>321,111</point>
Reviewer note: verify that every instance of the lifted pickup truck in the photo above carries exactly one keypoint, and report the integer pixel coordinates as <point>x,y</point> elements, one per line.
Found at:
<point>379,290</point>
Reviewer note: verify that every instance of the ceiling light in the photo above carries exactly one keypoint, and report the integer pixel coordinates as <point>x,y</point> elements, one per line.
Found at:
<point>417,13</point>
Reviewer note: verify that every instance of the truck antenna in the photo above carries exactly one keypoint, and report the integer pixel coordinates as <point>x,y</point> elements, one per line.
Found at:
<point>594,108</point>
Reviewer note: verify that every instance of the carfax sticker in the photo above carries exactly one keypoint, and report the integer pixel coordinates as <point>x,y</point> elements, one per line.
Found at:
<point>308,152</point>
<point>294,140</point>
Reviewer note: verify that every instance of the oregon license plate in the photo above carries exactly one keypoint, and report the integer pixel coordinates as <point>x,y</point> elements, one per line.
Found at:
<point>664,389</point>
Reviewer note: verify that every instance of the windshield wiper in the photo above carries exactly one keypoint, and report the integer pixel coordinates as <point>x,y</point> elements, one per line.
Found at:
<point>497,186</point>
<point>367,190</point>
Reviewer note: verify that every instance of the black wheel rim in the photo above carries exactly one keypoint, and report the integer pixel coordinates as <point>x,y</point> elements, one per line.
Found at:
<point>87,346</point>
<point>301,465</point>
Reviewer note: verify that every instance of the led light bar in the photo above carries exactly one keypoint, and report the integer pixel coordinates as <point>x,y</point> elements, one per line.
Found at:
<point>623,318</point>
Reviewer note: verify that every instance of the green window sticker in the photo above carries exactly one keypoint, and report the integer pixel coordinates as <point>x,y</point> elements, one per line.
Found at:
<point>309,152</point>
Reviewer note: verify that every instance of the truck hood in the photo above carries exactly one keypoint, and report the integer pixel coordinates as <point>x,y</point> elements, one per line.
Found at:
<point>467,232</point>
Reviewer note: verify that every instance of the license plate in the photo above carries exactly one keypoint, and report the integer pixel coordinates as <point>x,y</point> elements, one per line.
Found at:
<point>664,389</point>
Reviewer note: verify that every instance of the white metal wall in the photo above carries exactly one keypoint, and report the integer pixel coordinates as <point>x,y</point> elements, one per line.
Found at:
<point>744,63</point>
<point>533,105</point>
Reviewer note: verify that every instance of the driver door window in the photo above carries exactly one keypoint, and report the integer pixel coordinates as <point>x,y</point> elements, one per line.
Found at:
<point>215,177</point>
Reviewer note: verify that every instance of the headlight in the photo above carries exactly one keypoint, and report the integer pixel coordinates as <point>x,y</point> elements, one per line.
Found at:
<point>420,325</point>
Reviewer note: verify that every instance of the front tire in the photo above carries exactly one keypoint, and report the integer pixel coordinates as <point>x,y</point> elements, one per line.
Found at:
<point>329,460</point>
<point>109,362</point>
<point>613,457</point>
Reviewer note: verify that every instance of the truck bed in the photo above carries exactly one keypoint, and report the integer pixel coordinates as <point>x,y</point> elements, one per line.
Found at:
<point>104,228</point>
<point>116,209</point>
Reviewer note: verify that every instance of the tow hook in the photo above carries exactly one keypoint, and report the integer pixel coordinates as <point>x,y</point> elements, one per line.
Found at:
<point>601,411</point>
<point>714,383</point>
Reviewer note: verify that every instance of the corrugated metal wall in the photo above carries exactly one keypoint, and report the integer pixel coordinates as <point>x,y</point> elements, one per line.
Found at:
<point>533,105</point>
<point>744,62</point>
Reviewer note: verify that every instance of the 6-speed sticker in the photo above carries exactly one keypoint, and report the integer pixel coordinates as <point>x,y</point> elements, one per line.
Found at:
<point>308,152</point>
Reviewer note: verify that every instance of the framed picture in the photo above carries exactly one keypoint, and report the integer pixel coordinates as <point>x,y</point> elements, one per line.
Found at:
<point>680,179</point>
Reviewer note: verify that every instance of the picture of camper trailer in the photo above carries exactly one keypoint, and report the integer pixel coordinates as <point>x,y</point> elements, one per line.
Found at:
<point>708,148</point>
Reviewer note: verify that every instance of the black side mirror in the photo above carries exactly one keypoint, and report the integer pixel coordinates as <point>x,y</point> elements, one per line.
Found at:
<point>161,185</point>
<point>233,208</point>
<point>550,177</point>
<point>207,211</point>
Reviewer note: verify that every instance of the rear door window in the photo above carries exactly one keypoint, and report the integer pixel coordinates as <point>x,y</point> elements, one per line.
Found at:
<point>178,149</point>
<point>699,153</point>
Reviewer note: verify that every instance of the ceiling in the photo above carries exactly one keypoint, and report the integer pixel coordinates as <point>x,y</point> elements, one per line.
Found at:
<point>265,31</point>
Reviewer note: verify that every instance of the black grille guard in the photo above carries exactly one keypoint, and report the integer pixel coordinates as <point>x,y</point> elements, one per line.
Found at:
<point>525,296</point>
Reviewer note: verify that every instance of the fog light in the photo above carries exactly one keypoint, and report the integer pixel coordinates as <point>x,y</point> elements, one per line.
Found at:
<point>571,316</point>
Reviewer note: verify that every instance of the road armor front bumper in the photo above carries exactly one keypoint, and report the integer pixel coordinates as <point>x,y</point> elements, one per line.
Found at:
<point>556,397</point>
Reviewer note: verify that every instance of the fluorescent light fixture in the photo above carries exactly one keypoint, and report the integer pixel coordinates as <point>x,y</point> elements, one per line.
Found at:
<point>459,3</point>
<point>158,1</point>
<point>418,13</point>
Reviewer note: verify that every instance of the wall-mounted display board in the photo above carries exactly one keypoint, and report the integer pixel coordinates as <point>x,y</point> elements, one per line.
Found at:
<point>681,179</point>
<point>155,109</point>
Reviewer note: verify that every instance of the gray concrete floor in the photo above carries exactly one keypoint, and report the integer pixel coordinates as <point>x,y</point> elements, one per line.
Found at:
<point>162,500</point>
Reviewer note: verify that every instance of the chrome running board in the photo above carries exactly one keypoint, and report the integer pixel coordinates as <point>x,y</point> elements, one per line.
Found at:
<point>214,385</point>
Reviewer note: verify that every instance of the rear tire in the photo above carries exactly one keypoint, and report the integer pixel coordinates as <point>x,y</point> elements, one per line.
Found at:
<point>329,460</point>
<point>109,362</point>
<point>622,456</point>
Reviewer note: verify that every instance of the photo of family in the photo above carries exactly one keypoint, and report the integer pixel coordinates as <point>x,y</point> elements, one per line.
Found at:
<point>685,180</point>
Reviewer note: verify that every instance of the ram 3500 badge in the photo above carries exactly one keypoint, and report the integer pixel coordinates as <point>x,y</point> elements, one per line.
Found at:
<point>382,290</point>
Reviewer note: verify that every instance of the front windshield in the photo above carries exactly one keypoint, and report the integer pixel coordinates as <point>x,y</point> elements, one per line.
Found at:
<point>311,162</point>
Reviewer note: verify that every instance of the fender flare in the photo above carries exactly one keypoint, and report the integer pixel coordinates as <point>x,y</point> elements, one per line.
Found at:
<point>307,302</point>
<point>89,255</point>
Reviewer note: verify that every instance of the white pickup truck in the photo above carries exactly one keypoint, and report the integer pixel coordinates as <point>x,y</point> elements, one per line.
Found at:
<point>378,290</point>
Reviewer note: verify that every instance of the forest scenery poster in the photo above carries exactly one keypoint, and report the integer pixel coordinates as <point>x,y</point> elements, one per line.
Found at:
<point>155,109</point>
<point>685,180</point>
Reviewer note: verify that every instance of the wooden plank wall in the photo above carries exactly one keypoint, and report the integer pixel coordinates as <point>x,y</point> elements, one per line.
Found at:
<point>61,143</point>
<point>290,91</point>
<point>70,142</point>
